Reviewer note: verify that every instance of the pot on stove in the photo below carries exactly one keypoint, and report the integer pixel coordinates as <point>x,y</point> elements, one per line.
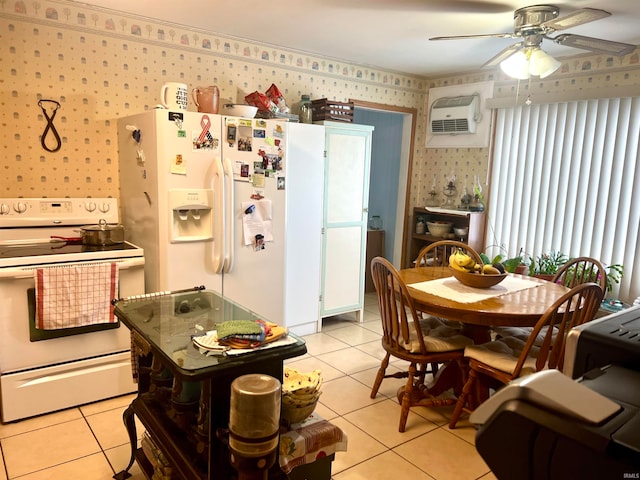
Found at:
<point>102,234</point>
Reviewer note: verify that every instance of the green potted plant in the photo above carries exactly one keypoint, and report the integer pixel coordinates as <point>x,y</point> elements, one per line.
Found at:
<point>509,265</point>
<point>517,264</point>
<point>615,273</point>
<point>546,265</point>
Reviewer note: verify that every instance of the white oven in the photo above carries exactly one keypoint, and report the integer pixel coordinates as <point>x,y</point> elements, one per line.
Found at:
<point>46,370</point>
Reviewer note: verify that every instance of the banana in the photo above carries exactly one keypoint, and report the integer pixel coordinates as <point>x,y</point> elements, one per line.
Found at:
<point>455,266</point>
<point>471,263</point>
<point>490,270</point>
<point>461,261</point>
<point>461,258</point>
<point>452,261</point>
<point>465,260</point>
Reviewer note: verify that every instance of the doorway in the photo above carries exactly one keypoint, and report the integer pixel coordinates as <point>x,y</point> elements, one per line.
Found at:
<point>391,160</point>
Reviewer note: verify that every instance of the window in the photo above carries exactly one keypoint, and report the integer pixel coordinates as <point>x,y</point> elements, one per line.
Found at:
<point>565,177</point>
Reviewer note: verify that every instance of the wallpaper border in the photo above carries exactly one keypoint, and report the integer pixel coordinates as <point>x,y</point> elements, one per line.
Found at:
<point>91,19</point>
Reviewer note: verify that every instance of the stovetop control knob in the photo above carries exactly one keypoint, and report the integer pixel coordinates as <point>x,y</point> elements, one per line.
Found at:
<point>90,206</point>
<point>104,208</point>
<point>20,207</point>
<point>4,209</point>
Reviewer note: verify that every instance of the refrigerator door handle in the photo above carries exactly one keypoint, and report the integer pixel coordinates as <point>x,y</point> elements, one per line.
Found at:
<point>219,215</point>
<point>229,214</point>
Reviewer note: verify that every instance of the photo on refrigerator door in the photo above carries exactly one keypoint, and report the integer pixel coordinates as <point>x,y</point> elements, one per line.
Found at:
<point>241,171</point>
<point>245,136</point>
<point>270,164</point>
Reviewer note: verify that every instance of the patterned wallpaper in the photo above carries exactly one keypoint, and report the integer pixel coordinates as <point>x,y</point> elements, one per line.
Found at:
<point>100,66</point>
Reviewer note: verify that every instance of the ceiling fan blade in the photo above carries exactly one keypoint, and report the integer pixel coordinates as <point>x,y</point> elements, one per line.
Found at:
<point>504,54</point>
<point>584,15</point>
<point>594,44</point>
<point>446,6</point>
<point>482,35</point>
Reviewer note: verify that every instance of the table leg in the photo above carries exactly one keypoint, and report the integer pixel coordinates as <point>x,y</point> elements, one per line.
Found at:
<point>448,376</point>
<point>129,421</point>
<point>478,333</point>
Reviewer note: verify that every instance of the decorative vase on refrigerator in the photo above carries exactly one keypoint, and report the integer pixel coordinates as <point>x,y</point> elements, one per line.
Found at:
<point>229,203</point>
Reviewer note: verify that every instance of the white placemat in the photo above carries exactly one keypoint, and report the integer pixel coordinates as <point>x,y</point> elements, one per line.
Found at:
<point>451,289</point>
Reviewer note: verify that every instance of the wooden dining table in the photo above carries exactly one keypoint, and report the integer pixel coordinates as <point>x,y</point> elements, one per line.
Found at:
<point>519,308</point>
<point>521,304</point>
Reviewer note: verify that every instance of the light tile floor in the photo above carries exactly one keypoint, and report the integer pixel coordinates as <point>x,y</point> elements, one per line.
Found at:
<point>90,442</point>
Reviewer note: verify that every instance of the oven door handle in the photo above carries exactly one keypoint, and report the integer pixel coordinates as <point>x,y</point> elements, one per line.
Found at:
<point>28,272</point>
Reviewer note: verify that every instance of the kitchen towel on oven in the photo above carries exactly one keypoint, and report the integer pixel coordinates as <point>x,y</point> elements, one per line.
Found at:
<point>75,296</point>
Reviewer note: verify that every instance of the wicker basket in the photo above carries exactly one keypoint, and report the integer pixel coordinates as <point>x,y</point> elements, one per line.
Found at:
<point>292,414</point>
<point>324,109</point>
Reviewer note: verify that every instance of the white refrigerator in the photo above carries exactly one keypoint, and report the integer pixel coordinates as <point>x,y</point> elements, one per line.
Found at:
<point>229,203</point>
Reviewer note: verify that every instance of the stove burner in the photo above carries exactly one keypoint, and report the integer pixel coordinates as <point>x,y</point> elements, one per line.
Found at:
<point>56,248</point>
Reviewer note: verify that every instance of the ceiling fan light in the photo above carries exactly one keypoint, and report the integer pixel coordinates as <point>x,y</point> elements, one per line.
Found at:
<point>516,66</point>
<point>541,64</point>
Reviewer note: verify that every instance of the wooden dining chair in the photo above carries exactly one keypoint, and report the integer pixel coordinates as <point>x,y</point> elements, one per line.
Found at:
<point>496,363</point>
<point>407,336</point>
<point>437,253</point>
<point>575,272</point>
<point>581,270</point>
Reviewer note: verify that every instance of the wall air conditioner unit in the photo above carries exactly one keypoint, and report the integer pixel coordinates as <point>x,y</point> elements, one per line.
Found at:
<point>455,115</point>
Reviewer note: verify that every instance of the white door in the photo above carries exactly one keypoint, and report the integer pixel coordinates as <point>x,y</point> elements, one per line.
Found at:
<point>347,163</point>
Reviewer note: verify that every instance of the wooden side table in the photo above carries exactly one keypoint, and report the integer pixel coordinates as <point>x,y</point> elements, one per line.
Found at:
<point>375,248</point>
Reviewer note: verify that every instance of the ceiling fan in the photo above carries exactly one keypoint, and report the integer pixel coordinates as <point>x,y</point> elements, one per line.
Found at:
<point>534,23</point>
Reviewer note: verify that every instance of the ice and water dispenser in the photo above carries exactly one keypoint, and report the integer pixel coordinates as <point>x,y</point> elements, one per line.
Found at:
<point>191,215</point>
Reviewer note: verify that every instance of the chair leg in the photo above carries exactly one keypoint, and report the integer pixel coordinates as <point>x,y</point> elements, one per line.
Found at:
<point>407,398</point>
<point>380,375</point>
<point>421,373</point>
<point>463,365</point>
<point>462,399</point>
<point>424,369</point>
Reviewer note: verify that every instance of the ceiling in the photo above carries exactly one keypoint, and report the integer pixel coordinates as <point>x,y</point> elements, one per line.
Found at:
<point>389,34</point>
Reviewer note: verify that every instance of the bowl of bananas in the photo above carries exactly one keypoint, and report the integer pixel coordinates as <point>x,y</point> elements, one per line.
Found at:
<point>472,274</point>
<point>479,279</point>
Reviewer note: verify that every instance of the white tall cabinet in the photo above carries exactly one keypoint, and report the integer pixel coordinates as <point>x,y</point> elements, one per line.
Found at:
<point>346,200</point>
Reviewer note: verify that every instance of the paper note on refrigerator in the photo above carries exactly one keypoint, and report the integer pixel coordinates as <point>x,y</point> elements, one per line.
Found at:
<point>257,220</point>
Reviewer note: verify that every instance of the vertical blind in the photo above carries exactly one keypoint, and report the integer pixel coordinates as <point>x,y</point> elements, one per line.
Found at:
<point>564,177</point>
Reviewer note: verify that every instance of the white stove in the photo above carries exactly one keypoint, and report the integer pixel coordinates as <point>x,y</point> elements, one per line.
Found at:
<point>47,370</point>
<point>32,230</point>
